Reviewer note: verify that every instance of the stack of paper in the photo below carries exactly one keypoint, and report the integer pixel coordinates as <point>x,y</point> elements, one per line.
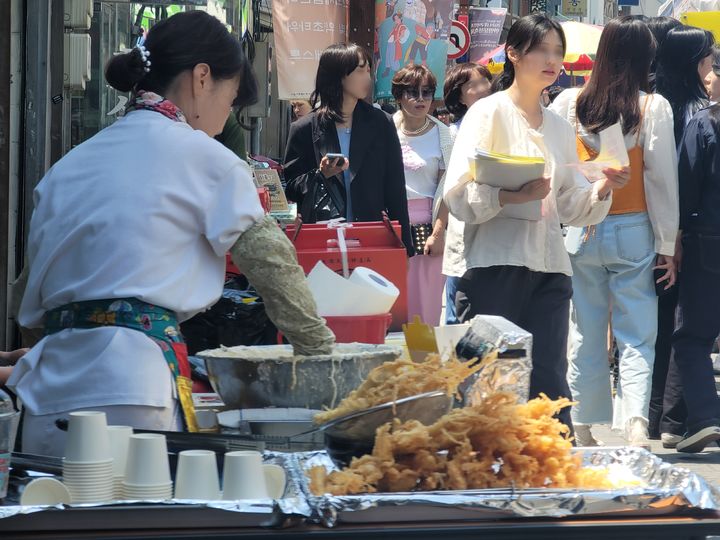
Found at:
<point>612,155</point>
<point>510,173</point>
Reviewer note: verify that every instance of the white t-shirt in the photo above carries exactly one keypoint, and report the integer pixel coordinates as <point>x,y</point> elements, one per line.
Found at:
<point>145,209</point>
<point>423,160</point>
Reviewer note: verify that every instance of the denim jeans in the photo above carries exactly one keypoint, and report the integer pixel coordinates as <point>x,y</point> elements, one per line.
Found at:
<point>612,280</point>
<point>451,284</point>
<point>698,328</point>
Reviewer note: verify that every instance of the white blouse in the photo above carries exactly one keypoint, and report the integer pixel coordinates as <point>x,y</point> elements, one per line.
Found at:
<point>423,161</point>
<point>657,139</point>
<point>495,124</point>
<point>146,209</point>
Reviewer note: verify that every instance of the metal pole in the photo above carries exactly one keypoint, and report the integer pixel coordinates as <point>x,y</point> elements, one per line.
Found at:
<point>36,152</point>
<point>5,145</point>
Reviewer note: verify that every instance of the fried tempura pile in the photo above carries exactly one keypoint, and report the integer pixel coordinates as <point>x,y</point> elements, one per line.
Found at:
<point>403,378</point>
<point>497,443</point>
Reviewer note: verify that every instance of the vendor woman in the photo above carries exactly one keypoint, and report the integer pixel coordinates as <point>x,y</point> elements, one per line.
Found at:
<point>129,236</point>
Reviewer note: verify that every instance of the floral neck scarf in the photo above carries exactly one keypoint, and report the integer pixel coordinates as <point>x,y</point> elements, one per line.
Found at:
<point>149,101</point>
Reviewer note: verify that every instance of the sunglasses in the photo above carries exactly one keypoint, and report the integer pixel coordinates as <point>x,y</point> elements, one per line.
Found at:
<point>415,93</point>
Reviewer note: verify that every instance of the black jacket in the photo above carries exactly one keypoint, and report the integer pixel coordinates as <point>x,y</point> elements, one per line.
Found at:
<point>699,173</point>
<point>376,165</point>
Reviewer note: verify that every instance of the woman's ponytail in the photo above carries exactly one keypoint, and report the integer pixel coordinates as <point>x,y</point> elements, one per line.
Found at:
<point>506,78</point>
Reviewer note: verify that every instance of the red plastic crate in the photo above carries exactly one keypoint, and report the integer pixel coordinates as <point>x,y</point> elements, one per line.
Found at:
<point>370,329</point>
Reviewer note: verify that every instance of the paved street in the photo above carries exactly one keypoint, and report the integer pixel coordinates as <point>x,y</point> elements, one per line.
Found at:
<point>706,464</point>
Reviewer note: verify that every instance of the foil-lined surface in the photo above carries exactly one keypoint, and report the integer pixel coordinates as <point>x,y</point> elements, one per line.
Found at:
<point>509,372</point>
<point>264,512</point>
<point>499,375</point>
<point>663,489</point>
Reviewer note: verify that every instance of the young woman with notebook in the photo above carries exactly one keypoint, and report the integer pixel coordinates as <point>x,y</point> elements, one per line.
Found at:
<point>518,268</point>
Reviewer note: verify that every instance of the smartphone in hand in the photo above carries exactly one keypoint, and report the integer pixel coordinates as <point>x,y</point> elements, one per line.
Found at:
<point>339,157</point>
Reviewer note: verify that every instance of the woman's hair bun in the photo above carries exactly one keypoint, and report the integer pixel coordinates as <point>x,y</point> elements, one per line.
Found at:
<point>124,71</point>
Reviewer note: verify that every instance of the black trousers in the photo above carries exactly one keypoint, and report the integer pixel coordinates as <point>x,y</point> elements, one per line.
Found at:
<point>699,327</point>
<point>537,302</point>
<point>667,405</point>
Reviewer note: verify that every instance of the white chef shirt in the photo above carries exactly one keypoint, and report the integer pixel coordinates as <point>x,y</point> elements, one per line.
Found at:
<point>495,124</point>
<point>145,209</point>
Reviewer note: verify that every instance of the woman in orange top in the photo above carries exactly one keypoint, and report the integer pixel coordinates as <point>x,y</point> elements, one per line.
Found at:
<point>613,263</point>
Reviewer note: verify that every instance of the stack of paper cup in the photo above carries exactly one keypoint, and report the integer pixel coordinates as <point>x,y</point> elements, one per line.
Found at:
<point>197,476</point>
<point>88,464</point>
<point>119,443</point>
<point>147,472</point>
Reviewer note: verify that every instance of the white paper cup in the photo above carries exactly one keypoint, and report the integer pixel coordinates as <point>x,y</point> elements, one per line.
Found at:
<point>80,475</point>
<point>197,476</point>
<point>149,493</point>
<point>275,480</point>
<point>42,491</point>
<point>90,484</point>
<point>244,476</point>
<point>153,487</point>
<point>88,467</point>
<point>119,443</point>
<point>87,438</point>
<point>90,493</point>
<point>147,462</point>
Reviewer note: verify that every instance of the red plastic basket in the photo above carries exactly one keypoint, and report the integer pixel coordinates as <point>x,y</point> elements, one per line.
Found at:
<point>368,329</point>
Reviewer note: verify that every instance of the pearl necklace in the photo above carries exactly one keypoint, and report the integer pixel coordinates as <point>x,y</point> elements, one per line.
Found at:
<point>417,131</point>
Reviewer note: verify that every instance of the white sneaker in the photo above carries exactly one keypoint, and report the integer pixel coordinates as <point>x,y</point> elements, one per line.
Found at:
<point>716,364</point>
<point>584,437</point>
<point>670,440</point>
<point>636,432</point>
<point>699,440</point>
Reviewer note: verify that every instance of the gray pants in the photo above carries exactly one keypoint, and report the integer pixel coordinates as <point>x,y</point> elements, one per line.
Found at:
<point>537,302</point>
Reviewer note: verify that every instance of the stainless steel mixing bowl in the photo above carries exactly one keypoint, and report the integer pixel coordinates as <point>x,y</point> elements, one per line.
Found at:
<point>270,376</point>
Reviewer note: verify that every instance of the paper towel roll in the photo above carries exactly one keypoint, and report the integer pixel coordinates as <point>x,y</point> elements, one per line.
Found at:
<point>365,293</point>
<point>333,294</point>
<point>381,295</point>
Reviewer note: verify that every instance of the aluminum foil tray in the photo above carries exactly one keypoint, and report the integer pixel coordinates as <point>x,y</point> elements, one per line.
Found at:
<point>291,509</point>
<point>666,489</point>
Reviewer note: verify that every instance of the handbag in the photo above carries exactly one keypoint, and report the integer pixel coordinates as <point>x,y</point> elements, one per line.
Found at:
<point>420,235</point>
<point>323,202</point>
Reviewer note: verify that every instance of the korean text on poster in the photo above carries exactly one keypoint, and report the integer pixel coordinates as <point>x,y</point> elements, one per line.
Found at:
<point>303,29</point>
<point>486,26</point>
